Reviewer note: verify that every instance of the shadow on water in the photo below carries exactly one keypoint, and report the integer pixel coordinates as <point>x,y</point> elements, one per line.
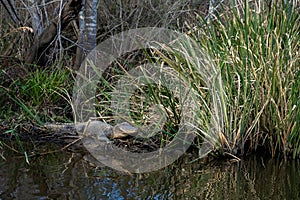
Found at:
<point>65,175</point>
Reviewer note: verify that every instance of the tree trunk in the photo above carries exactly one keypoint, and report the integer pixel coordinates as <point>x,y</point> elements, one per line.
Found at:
<point>36,54</point>
<point>91,24</point>
<point>9,5</point>
<point>87,39</point>
<point>80,48</point>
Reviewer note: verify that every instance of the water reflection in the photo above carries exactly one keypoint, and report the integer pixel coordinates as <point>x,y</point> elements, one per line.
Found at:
<point>65,175</point>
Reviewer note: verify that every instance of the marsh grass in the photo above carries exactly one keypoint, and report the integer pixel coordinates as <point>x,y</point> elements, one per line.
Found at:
<point>257,51</point>
<point>31,95</point>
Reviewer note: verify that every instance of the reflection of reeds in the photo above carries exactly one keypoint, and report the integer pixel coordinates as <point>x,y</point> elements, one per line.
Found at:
<point>255,178</point>
<point>257,50</point>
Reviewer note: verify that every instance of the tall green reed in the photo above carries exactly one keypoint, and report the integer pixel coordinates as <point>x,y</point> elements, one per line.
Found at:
<point>257,50</point>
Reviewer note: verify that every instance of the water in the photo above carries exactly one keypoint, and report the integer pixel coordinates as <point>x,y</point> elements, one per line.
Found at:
<point>65,175</point>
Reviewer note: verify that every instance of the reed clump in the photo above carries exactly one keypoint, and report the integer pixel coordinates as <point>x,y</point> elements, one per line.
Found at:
<point>256,47</point>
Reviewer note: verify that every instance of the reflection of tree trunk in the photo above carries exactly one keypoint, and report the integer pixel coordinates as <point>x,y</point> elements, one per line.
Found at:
<point>36,54</point>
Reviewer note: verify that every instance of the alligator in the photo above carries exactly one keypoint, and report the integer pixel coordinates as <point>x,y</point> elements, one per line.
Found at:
<point>101,130</point>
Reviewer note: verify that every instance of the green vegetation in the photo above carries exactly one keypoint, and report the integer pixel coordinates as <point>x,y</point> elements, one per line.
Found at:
<point>39,96</point>
<point>258,54</point>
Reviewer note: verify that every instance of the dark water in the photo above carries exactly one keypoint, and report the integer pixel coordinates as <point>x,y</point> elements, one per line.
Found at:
<point>64,175</point>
